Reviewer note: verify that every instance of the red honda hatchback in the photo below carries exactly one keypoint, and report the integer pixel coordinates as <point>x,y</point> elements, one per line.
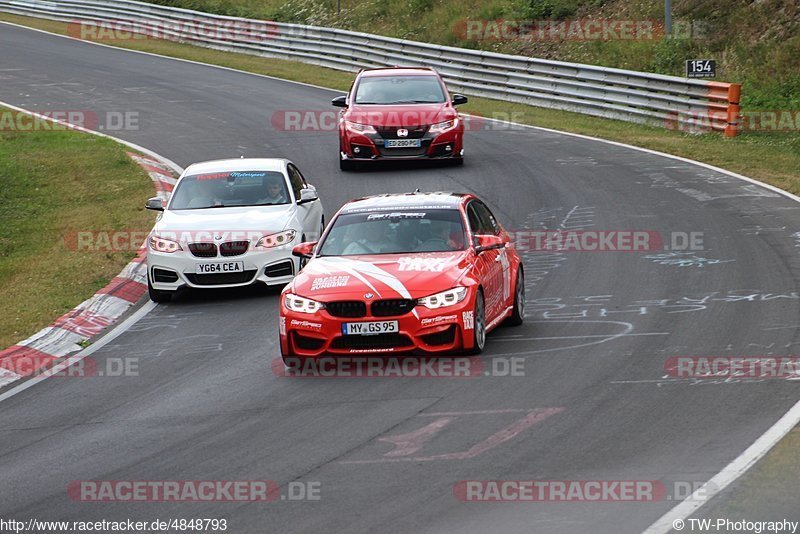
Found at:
<point>399,113</point>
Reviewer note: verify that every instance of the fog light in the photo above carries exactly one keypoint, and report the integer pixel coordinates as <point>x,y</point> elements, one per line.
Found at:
<point>448,148</point>
<point>356,150</point>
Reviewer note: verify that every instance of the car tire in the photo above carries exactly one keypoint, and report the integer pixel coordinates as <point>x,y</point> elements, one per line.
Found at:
<point>478,325</point>
<point>157,295</point>
<point>347,165</point>
<point>457,162</point>
<point>518,312</point>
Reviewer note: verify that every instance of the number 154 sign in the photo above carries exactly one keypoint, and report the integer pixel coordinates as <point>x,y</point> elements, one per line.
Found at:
<point>701,68</point>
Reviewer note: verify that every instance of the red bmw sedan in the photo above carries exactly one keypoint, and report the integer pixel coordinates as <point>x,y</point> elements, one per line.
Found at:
<point>399,273</point>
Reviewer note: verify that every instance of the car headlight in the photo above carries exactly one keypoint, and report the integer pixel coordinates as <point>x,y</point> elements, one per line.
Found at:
<point>159,244</point>
<point>276,240</point>
<point>357,127</point>
<point>441,127</point>
<point>296,303</point>
<point>443,299</point>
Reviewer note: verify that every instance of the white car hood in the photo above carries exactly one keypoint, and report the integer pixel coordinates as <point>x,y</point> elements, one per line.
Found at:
<point>257,219</point>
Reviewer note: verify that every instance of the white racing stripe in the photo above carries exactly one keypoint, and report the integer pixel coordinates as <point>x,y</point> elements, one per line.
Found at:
<point>349,269</point>
<point>362,267</point>
<point>357,267</point>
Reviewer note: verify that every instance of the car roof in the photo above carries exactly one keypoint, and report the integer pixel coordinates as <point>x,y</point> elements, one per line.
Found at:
<point>399,71</point>
<point>432,200</point>
<point>238,164</point>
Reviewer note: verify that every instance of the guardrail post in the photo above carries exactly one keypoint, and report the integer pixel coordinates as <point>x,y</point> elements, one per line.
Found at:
<point>734,94</point>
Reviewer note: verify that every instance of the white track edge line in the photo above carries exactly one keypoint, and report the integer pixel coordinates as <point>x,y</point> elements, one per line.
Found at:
<point>174,166</point>
<point>118,330</point>
<point>753,453</point>
<point>728,474</point>
<point>655,153</point>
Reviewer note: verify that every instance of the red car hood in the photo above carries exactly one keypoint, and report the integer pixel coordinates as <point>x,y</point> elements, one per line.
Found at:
<point>383,275</point>
<point>396,116</point>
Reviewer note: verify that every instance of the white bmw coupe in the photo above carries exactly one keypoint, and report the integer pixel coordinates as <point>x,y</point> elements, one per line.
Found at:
<point>231,223</point>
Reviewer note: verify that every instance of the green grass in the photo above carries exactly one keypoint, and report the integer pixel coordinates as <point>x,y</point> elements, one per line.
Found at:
<point>768,492</point>
<point>772,157</point>
<point>55,183</point>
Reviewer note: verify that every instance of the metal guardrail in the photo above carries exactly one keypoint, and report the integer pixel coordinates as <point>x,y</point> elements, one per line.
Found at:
<point>631,96</point>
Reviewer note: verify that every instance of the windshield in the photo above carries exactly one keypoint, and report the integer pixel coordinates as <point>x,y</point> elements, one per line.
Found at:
<point>414,89</point>
<point>228,189</point>
<point>395,232</point>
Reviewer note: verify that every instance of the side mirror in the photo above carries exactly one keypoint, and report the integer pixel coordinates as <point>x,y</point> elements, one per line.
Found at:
<point>488,242</point>
<point>155,204</point>
<point>340,102</point>
<point>304,250</point>
<point>459,99</point>
<point>307,195</point>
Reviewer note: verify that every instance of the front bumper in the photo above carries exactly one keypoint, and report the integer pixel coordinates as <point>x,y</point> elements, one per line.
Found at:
<point>430,331</point>
<point>169,272</point>
<point>372,147</point>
